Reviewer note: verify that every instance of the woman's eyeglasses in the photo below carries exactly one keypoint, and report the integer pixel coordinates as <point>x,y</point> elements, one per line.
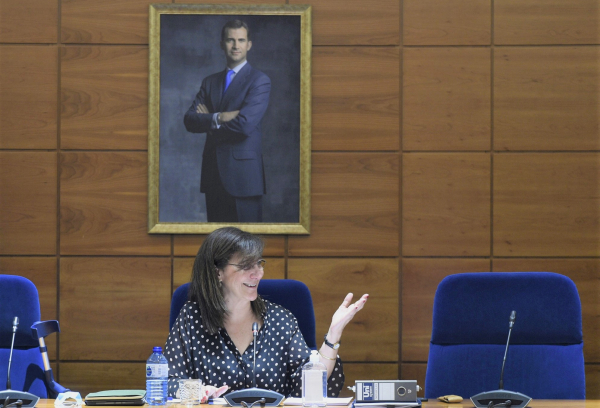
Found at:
<point>260,264</point>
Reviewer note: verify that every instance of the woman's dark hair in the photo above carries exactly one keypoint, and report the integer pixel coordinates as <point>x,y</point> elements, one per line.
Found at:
<point>214,254</point>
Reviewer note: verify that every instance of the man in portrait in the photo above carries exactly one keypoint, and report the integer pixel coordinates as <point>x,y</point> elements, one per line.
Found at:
<point>229,108</point>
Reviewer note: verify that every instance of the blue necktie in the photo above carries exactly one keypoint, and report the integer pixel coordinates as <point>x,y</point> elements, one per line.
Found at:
<point>228,79</point>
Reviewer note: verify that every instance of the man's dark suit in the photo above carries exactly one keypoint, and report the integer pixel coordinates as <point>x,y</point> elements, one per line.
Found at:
<point>232,153</point>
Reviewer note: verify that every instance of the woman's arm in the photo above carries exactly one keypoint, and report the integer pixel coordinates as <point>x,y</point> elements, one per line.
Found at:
<point>299,354</point>
<point>328,355</point>
<point>177,352</point>
<point>340,319</point>
<point>179,356</point>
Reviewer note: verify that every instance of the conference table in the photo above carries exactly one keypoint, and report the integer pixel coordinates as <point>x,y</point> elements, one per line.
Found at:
<point>533,404</point>
<point>49,403</point>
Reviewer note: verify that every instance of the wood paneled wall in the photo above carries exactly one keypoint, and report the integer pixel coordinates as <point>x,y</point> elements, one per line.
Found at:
<point>448,136</point>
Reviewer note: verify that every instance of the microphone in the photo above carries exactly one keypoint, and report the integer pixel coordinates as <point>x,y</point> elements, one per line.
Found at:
<point>254,334</point>
<point>251,396</point>
<point>501,397</point>
<point>12,346</point>
<point>11,397</point>
<point>511,323</point>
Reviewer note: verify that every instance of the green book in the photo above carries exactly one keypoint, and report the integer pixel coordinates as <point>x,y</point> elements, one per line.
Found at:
<point>116,397</point>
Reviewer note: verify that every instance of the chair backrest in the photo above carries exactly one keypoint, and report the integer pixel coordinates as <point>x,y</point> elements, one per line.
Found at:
<point>20,300</point>
<point>470,327</point>
<point>291,294</point>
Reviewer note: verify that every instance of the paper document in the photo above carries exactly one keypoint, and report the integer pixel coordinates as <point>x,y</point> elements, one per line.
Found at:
<point>396,404</point>
<point>330,401</point>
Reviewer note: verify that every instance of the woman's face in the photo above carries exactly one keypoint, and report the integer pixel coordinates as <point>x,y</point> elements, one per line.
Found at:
<point>240,281</point>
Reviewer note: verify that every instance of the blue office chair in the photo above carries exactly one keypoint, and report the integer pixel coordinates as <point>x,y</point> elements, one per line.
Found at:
<point>291,294</point>
<point>30,367</point>
<point>470,327</point>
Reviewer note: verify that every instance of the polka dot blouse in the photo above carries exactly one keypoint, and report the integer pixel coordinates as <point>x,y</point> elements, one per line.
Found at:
<point>280,354</point>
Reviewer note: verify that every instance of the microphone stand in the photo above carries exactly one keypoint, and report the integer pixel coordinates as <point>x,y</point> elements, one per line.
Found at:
<point>254,334</point>
<point>251,396</point>
<point>511,323</point>
<point>11,398</point>
<point>501,397</point>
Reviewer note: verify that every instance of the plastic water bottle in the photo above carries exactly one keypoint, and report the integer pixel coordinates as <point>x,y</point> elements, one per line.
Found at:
<point>157,376</point>
<point>314,382</point>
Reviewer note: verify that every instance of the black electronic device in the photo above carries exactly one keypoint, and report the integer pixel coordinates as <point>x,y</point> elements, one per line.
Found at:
<point>11,397</point>
<point>252,396</point>
<point>501,397</point>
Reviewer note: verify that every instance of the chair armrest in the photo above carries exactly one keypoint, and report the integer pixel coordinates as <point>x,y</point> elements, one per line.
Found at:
<point>43,329</point>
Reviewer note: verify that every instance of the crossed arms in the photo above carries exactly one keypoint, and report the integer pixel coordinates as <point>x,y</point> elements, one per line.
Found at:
<point>242,115</point>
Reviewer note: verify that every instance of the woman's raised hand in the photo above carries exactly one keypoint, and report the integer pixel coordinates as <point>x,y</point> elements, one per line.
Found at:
<point>344,315</point>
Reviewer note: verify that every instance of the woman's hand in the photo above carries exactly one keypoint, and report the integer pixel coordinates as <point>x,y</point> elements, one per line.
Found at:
<point>208,391</point>
<point>344,315</point>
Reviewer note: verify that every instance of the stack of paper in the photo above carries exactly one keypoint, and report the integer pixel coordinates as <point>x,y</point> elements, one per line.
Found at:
<point>330,401</point>
<point>381,404</point>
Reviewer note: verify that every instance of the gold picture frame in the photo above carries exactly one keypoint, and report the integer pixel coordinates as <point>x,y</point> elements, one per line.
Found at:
<point>184,49</point>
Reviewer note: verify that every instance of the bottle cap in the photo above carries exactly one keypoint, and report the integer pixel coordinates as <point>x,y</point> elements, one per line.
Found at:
<point>157,349</point>
<point>314,356</point>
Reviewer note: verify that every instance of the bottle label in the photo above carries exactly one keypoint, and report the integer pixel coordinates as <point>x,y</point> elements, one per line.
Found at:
<point>157,370</point>
<point>313,385</point>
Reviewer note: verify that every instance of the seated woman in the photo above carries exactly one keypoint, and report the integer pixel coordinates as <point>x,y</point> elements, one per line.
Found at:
<point>212,337</point>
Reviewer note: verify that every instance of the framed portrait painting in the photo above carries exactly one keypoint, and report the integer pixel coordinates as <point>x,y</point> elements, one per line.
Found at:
<point>229,118</point>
